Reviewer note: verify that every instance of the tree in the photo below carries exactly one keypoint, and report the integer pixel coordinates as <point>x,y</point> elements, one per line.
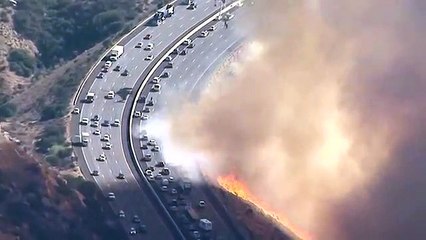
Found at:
<point>21,62</point>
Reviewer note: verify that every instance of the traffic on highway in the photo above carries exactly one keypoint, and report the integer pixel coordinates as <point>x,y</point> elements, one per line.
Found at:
<point>160,203</point>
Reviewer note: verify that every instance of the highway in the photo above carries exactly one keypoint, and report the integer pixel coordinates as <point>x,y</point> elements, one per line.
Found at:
<point>189,76</point>
<point>131,196</point>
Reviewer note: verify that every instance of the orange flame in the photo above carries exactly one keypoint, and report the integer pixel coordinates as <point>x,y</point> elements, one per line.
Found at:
<point>231,184</point>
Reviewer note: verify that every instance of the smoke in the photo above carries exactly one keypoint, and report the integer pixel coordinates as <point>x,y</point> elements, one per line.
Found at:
<point>327,124</point>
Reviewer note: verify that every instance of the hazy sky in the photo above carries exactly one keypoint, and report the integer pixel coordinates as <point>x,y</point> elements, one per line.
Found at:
<point>328,124</point>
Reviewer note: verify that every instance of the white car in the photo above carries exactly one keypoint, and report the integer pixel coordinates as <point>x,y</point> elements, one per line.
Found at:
<point>111,196</point>
<point>139,45</point>
<point>149,58</point>
<point>132,231</point>
<point>108,64</point>
<point>102,157</point>
<point>107,146</point>
<point>169,58</point>
<point>106,138</point>
<point>152,142</point>
<point>97,132</point>
<point>156,149</point>
<point>149,47</point>
<point>187,41</point>
<point>137,114</point>
<point>156,80</point>
<point>116,123</point>
<point>212,28</point>
<point>76,111</point>
<point>84,121</point>
<point>156,88</point>
<point>110,95</point>
<point>144,117</point>
<point>204,33</point>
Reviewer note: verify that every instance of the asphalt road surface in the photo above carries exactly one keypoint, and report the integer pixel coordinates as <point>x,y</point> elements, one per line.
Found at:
<point>127,199</point>
<point>189,76</point>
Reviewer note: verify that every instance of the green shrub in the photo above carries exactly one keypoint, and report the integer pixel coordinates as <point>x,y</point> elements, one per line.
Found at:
<point>21,62</point>
<point>7,110</point>
<point>53,160</point>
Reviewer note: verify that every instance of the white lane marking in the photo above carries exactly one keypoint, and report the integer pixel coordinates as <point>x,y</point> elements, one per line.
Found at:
<point>102,109</point>
<point>207,8</point>
<point>110,170</point>
<point>186,69</point>
<point>116,161</point>
<point>113,153</point>
<point>215,49</point>
<point>211,44</point>
<point>170,34</point>
<point>181,26</point>
<point>180,18</point>
<point>192,74</point>
<point>193,60</point>
<point>137,67</point>
<point>159,43</point>
<point>192,18</point>
<point>202,52</point>
<point>133,58</point>
<point>221,35</point>
<point>180,76</point>
<point>199,65</point>
<point>103,176</point>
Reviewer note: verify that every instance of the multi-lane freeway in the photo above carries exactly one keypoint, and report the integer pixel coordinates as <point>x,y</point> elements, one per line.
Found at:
<point>131,195</point>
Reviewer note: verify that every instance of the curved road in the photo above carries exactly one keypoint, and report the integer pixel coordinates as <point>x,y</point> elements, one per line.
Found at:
<point>131,201</point>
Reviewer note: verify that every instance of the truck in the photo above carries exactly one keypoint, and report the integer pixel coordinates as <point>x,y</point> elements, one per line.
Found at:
<point>90,97</point>
<point>116,52</point>
<point>81,139</point>
<point>170,10</point>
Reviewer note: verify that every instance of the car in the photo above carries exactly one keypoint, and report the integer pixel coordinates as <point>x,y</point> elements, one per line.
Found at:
<point>168,59</point>
<point>136,219</point>
<point>137,114</point>
<point>107,64</point>
<point>97,132</point>
<point>95,173</point>
<point>192,45</point>
<point>171,179</point>
<point>121,214</point>
<point>173,208</point>
<point>147,37</point>
<point>102,157</point>
<point>116,123</point>
<point>104,70</point>
<point>160,164</point>
<point>149,58</point>
<point>201,204</point>
<point>121,175</point>
<point>196,234</point>
<point>142,228</point>
<point>183,52</point>
<point>76,111</point>
<point>147,157</point>
<point>96,118</point>
<point>186,41</point>
<point>150,178</point>
<point>156,80</point>
<point>156,149</point>
<point>84,121</point>
<point>117,68</point>
<point>111,196</point>
<point>113,58</point>
<point>95,124</point>
<point>105,123</point>
<point>110,95</point>
<point>149,47</point>
<point>152,142</point>
<point>139,45</point>
<point>158,176</point>
<point>173,191</point>
<point>146,110</point>
<point>150,102</point>
<point>106,138</point>
<point>212,28</point>
<point>175,51</point>
<point>164,188</point>
<point>144,146</point>
<point>107,146</point>
<point>165,182</point>
<point>165,171</point>
<point>204,33</point>
<point>150,168</point>
<point>165,75</point>
<point>145,117</point>
<point>156,88</point>
<point>169,65</point>
<point>144,137</point>
<point>100,75</point>
<point>192,6</point>
<point>125,73</point>
<point>132,231</point>
<point>148,172</point>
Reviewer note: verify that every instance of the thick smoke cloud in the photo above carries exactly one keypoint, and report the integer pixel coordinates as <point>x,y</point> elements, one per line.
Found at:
<point>328,125</point>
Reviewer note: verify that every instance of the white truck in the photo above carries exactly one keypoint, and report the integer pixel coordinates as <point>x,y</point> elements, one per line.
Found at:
<point>81,139</point>
<point>90,97</point>
<point>116,52</point>
<point>206,224</point>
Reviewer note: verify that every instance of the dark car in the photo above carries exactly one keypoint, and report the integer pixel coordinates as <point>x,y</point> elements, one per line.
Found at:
<point>105,123</point>
<point>117,68</point>
<point>136,219</point>
<point>183,52</point>
<point>125,73</point>
<point>96,118</point>
<point>147,37</point>
<point>191,45</point>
